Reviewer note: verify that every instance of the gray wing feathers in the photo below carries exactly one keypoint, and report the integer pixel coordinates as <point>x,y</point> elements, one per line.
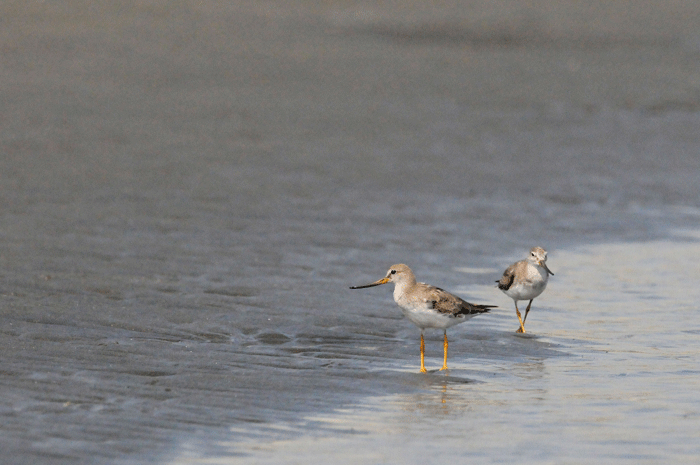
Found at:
<point>507,279</point>
<point>444,302</point>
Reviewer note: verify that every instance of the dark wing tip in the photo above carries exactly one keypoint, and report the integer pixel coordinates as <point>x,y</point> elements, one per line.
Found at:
<point>484,308</point>
<point>472,309</point>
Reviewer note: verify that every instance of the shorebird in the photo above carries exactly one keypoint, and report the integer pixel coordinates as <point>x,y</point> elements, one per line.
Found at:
<point>427,306</point>
<point>525,280</point>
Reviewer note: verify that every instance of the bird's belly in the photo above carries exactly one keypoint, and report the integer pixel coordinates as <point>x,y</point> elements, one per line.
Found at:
<point>526,291</point>
<point>431,319</point>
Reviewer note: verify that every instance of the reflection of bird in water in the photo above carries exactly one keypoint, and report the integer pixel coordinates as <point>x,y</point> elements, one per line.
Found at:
<point>525,280</point>
<point>427,306</point>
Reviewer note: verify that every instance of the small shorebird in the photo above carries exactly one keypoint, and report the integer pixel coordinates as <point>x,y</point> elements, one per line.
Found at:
<point>525,280</point>
<point>427,306</point>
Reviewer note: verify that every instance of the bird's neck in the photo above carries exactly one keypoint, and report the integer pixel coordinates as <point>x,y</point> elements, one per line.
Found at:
<point>402,287</point>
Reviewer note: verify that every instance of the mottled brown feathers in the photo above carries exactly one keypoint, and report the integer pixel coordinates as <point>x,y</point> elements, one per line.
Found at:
<point>453,305</point>
<point>507,279</point>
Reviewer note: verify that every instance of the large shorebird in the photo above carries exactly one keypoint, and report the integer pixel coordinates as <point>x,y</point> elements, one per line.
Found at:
<point>427,306</point>
<point>525,280</point>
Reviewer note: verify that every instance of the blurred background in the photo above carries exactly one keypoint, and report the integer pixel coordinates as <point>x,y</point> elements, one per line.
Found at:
<point>188,188</point>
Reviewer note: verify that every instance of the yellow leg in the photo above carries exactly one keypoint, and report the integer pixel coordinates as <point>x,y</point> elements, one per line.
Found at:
<point>522,326</point>
<point>444,348</point>
<point>527,310</point>
<point>422,354</point>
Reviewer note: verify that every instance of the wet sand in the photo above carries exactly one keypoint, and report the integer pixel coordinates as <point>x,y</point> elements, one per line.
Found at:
<point>188,192</point>
<point>614,380</point>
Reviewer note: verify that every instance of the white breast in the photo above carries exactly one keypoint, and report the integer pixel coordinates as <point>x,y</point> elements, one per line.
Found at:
<point>530,285</point>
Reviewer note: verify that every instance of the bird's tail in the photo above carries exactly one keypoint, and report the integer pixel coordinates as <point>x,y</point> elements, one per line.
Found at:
<point>475,309</point>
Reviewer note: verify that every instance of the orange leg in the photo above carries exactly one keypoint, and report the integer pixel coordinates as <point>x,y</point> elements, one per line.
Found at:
<point>444,363</point>
<point>522,325</point>
<point>527,310</point>
<point>422,354</point>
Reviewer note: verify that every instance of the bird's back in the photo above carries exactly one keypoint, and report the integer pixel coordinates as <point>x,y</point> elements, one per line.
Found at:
<point>445,303</point>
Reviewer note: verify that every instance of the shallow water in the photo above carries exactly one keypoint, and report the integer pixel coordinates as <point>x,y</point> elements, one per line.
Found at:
<point>607,376</point>
<point>188,192</point>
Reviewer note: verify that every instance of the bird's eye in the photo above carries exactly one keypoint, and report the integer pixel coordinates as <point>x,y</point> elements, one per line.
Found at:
<point>393,271</point>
